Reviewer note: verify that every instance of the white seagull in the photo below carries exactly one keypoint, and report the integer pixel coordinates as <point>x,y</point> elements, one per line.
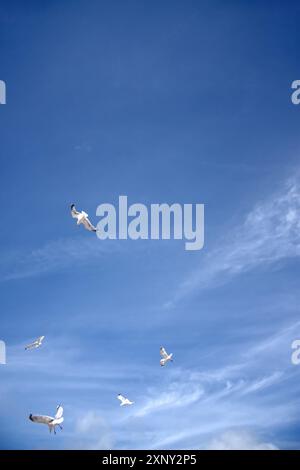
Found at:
<point>36,344</point>
<point>49,420</point>
<point>124,401</point>
<point>165,356</point>
<point>82,218</point>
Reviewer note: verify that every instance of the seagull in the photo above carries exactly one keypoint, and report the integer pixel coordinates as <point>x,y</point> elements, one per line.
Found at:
<point>36,344</point>
<point>49,420</point>
<point>165,356</point>
<point>124,401</point>
<point>82,218</point>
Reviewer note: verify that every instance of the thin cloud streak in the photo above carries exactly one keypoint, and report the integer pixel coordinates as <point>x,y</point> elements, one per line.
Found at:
<point>54,256</point>
<point>270,233</point>
<point>239,440</point>
<point>178,395</point>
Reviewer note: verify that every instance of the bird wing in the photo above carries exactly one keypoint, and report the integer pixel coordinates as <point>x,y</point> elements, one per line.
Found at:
<point>88,225</point>
<point>40,339</point>
<point>32,345</point>
<point>43,419</point>
<point>74,212</point>
<point>163,353</point>
<point>121,398</point>
<point>59,412</point>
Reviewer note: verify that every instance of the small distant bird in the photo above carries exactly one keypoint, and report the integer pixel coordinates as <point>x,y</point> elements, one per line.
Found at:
<point>82,218</point>
<point>36,344</point>
<point>124,401</point>
<point>165,356</point>
<point>49,420</point>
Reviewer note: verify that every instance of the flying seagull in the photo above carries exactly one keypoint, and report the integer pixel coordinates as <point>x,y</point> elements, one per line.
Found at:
<point>36,344</point>
<point>124,401</point>
<point>165,356</point>
<point>82,218</point>
<point>49,420</point>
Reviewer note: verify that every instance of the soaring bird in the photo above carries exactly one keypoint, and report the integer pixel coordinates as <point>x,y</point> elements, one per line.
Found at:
<point>165,356</point>
<point>36,344</point>
<point>49,420</point>
<point>124,401</point>
<point>82,218</point>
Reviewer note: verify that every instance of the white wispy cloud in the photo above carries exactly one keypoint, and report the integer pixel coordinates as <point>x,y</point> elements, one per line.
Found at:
<point>66,360</point>
<point>239,440</point>
<point>263,382</point>
<point>53,256</point>
<point>92,432</point>
<point>269,233</point>
<point>275,342</point>
<point>177,395</point>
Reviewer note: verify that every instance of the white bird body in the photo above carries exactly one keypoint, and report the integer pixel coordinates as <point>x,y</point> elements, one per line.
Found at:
<point>82,218</point>
<point>36,344</point>
<point>124,401</point>
<point>82,215</point>
<point>49,420</point>
<point>165,356</point>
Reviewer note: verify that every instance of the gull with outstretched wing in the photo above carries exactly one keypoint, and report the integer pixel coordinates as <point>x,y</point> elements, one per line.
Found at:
<point>165,357</point>
<point>124,401</point>
<point>82,218</point>
<point>49,420</point>
<point>35,344</point>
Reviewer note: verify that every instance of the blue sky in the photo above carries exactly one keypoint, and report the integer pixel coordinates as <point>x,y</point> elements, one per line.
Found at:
<point>184,102</point>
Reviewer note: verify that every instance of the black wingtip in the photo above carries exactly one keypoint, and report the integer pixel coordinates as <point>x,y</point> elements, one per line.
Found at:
<point>72,206</point>
<point>30,417</point>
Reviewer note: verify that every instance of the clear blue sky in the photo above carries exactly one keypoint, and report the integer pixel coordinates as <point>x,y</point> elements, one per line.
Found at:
<point>164,102</point>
